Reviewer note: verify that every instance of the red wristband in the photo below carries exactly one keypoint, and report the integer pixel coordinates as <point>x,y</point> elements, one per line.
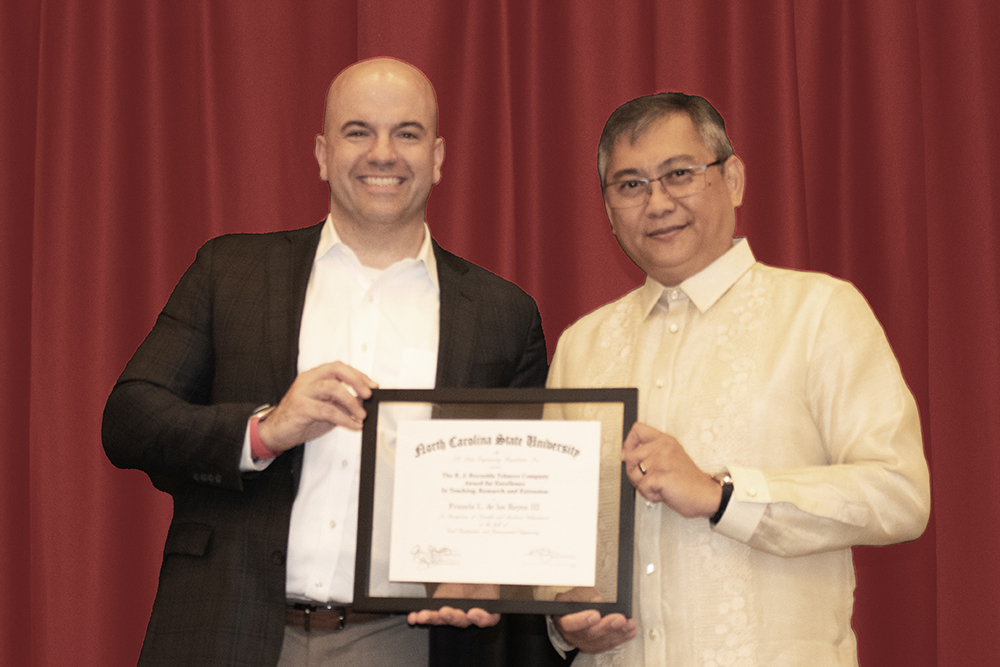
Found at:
<point>258,449</point>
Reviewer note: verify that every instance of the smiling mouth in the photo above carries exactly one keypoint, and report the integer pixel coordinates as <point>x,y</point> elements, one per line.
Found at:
<point>382,181</point>
<point>668,230</point>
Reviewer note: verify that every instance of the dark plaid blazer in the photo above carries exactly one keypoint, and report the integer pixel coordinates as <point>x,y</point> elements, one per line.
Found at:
<point>225,343</point>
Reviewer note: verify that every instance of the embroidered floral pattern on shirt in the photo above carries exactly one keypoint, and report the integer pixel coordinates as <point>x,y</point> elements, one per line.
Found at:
<point>728,636</point>
<point>616,337</point>
<point>738,369</point>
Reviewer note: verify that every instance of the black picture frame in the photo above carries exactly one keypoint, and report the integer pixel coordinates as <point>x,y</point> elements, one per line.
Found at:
<point>611,404</point>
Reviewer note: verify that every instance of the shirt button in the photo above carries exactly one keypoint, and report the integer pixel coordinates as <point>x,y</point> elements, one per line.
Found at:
<point>653,634</point>
<point>752,492</point>
<point>674,294</point>
<point>364,347</point>
<point>333,524</point>
<point>649,504</point>
<point>343,464</point>
<point>651,568</point>
<point>674,328</point>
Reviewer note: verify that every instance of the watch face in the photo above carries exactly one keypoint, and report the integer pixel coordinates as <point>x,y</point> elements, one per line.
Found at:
<point>263,412</point>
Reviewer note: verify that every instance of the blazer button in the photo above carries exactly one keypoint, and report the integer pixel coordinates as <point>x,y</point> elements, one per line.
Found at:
<point>278,557</point>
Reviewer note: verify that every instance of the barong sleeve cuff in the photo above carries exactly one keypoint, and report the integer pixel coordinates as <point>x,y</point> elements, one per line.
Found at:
<point>746,506</point>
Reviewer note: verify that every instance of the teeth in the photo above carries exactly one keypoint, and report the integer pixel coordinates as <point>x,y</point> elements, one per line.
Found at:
<point>382,180</point>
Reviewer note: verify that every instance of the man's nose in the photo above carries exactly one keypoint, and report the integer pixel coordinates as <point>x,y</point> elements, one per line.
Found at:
<point>659,198</point>
<point>383,151</point>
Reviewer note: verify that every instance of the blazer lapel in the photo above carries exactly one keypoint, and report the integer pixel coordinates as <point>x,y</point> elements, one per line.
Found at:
<point>457,320</point>
<point>289,265</point>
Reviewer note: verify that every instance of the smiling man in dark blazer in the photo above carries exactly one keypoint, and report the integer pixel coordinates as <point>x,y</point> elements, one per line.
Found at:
<point>244,401</point>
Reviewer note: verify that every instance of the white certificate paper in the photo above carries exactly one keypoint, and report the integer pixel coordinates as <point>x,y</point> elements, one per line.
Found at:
<point>495,502</point>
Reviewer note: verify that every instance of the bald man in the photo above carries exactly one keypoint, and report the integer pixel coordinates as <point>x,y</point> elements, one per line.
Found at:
<point>244,401</point>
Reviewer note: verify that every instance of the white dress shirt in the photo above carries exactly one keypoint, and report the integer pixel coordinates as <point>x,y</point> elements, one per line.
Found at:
<point>385,324</point>
<point>785,380</point>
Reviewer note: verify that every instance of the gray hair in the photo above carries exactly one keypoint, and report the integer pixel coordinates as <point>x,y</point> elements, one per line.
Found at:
<point>635,117</point>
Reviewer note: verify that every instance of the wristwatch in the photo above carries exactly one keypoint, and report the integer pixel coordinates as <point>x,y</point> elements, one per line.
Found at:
<point>727,492</point>
<point>262,412</point>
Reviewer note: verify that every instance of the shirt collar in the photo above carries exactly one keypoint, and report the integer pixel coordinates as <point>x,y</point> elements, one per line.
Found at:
<point>328,239</point>
<point>708,285</point>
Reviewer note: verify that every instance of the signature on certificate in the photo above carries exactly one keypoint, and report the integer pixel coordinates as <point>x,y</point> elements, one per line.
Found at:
<point>431,556</point>
<point>545,556</point>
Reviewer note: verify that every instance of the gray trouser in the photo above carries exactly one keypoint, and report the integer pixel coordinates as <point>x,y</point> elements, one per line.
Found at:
<point>384,643</point>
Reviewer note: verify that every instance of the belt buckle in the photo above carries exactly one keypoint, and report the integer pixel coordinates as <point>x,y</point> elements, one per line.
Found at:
<point>308,609</point>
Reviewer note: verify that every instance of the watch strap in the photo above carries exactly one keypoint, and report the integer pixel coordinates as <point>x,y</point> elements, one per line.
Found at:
<point>727,492</point>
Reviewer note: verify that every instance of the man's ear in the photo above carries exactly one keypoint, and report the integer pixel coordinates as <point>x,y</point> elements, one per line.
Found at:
<point>736,179</point>
<point>438,159</point>
<point>320,151</point>
<point>611,219</point>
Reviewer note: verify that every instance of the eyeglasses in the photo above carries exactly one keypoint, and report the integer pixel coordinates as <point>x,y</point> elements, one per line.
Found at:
<point>679,182</point>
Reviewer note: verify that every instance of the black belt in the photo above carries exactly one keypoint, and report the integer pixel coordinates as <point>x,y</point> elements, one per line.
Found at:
<point>323,617</point>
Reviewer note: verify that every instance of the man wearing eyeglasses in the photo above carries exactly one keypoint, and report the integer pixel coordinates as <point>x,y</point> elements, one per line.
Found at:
<point>775,429</point>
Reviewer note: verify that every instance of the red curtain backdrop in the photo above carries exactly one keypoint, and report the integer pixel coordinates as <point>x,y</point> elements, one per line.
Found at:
<point>134,130</point>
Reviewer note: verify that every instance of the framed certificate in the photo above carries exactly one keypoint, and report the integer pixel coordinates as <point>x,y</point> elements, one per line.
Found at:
<point>511,500</point>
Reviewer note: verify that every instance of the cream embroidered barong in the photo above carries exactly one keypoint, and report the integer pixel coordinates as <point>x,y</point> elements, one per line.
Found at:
<point>785,380</point>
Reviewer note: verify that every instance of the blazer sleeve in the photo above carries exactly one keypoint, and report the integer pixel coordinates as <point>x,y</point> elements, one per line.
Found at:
<point>176,411</point>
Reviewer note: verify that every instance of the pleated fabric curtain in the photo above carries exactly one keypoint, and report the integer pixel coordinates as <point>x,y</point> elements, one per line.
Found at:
<point>134,130</point>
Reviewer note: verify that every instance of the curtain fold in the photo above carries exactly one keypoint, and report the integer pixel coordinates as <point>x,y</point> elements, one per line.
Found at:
<point>134,130</point>
<point>959,65</point>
